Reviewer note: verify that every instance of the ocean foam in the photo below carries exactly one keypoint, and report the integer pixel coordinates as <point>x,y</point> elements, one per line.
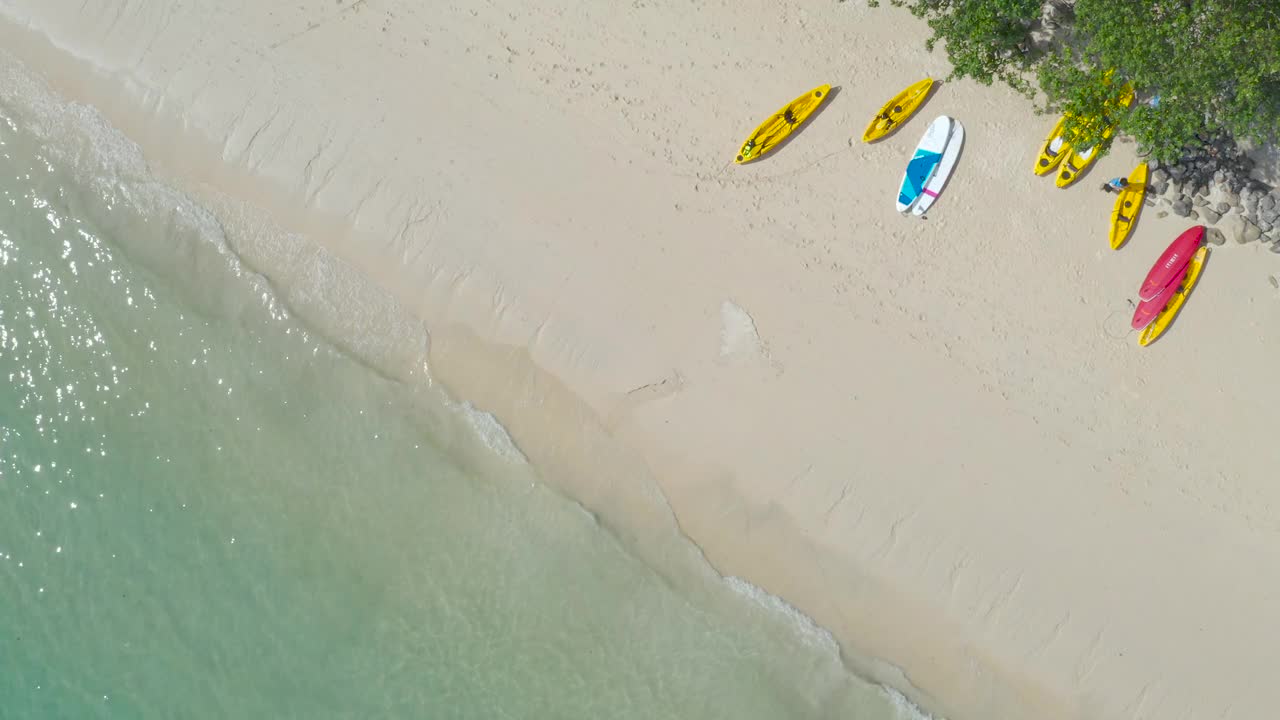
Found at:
<point>490,432</point>
<point>820,639</point>
<point>813,634</point>
<point>904,708</point>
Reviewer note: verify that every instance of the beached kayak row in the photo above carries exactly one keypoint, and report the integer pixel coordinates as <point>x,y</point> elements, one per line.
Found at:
<point>930,164</point>
<point>1167,286</point>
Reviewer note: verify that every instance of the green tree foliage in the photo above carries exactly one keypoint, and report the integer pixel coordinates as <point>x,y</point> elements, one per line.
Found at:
<point>1213,64</point>
<point>1090,97</point>
<point>984,40</point>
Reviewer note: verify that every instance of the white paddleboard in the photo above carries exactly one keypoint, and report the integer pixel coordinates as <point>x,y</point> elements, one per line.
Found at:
<point>945,166</point>
<point>924,162</point>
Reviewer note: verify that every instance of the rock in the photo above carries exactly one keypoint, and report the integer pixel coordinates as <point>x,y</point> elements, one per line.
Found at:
<point>1269,216</point>
<point>1224,207</point>
<point>1195,214</point>
<point>1216,237</point>
<point>1274,282</point>
<point>1210,216</point>
<point>1162,214</point>
<point>1202,191</point>
<point>1159,188</point>
<point>1181,208</point>
<point>1199,201</point>
<point>1154,164</point>
<point>1231,225</point>
<point>1251,233</point>
<point>1219,177</point>
<point>1159,176</point>
<point>1267,202</point>
<point>1249,200</point>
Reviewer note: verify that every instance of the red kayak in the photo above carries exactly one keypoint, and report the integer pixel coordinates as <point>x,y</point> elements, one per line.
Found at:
<point>1149,309</point>
<point>1172,265</point>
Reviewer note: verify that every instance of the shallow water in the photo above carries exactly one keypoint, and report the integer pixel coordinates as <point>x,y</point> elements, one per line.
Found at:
<point>207,510</point>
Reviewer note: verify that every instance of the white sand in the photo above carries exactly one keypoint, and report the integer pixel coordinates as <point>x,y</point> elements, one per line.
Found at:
<point>921,433</point>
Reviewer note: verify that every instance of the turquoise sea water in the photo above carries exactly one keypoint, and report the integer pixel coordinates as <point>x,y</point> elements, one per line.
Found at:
<point>208,511</point>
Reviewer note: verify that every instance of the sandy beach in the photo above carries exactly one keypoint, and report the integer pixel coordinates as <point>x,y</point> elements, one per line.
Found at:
<point>937,438</point>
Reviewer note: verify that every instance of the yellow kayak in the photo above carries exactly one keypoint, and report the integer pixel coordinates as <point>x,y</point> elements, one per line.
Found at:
<point>1128,205</point>
<point>1166,316</point>
<point>772,131</point>
<point>1074,165</point>
<point>897,110</point>
<point>1054,148</point>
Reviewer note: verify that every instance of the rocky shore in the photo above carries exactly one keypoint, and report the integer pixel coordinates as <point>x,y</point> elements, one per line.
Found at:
<point>1214,186</point>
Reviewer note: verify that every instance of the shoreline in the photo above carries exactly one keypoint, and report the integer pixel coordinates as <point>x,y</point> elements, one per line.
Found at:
<point>765,493</point>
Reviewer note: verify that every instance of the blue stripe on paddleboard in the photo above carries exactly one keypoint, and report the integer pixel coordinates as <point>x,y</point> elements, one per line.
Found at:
<point>918,170</point>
